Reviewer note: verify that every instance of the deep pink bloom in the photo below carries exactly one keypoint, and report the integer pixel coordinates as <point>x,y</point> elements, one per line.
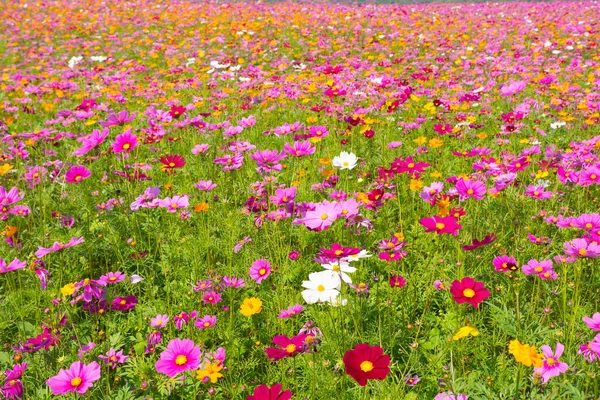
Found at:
<point>211,297</point>
<point>122,118</point>
<point>505,264</point>
<point>299,149</point>
<point>233,282</point>
<point>366,362</point>
<point>183,318</point>
<point>552,367</point>
<point>90,141</point>
<point>441,225</point>
<point>467,188</point>
<point>205,322</point>
<point>124,303</point>
<point>289,347</point>
<point>113,277</point>
<point>78,378</point>
<point>478,243</point>
<point>469,291</point>
<point>77,173</point>
<point>260,270</point>
<point>125,142</point>
<point>42,251</point>
<point>322,217</point>
<point>397,281</point>
<point>538,192</point>
<point>263,392</point>
<point>10,197</point>
<point>181,355</point>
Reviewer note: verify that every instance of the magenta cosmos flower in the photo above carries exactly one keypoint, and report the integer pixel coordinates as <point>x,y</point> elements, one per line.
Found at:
<point>543,269</point>
<point>42,251</point>
<point>263,392</point>
<point>13,266</point>
<point>594,322</point>
<point>552,367</point>
<point>181,355</point>
<point>581,248</point>
<point>469,291</point>
<point>113,358</point>
<point>124,303</point>
<point>78,378</point>
<point>205,322</point>
<point>441,225</point>
<point>125,142</point>
<point>77,173</point>
<point>291,311</point>
<point>538,192</point>
<point>467,188</point>
<point>505,264</point>
<point>174,203</point>
<point>260,270</point>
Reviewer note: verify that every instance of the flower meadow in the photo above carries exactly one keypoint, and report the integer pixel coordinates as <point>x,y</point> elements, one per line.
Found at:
<point>299,200</point>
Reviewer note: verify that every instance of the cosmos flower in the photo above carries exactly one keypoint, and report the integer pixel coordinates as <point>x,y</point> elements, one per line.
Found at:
<point>251,306</point>
<point>125,142</point>
<point>288,347</point>
<point>171,162</point>
<point>42,251</point>
<point>469,291</point>
<point>77,173</point>
<point>441,225</point>
<point>345,161</point>
<point>181,355</point>
<point>263,392</point>
<point>14,265</point>
<point>321,287</point>
<point>113,358</point>
<point>551,367</point>
<point>366,362</point>
<point>291,311</point>
<point>78,378</point>
<point>260,270</point>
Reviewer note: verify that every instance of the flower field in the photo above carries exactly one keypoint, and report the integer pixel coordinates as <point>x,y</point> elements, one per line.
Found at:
<point>299,200</point>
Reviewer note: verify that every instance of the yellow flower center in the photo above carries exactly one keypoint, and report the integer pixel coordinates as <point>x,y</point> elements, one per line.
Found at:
<point>338,252</point>
<point>439,226</point>
<point>582,252</point>
<point>123,302</point>
<point>335,267</point>
<point>550,361</point>
<point>324,216</point>
<point>262,271</point>
<point>593,176</point>
<point>75,382</point>
<point>181,359</point>
<point>536,193</point>
<point>588,225</point>
<point>171,164</point>
<point>78,178</point>
<point>173,205</point>
<point>538,269</point>
<point>345,163</point>
<point>321,288</point>
<point>290,348</point>
<point>126,146</point>
<point>469,293</point>
<point>206,324</point>
<point>470,191</point>
<point>411,165</point>
<point>366,366</point>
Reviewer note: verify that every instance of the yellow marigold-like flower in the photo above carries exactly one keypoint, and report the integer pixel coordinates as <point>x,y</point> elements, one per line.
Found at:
<point>435,174</point>
<point>201,207</point>
<point>415,185</point>
<point>68,289</point>
<point>525,354</point>
<point>435,143</point>
<point>420,140</point>
<point>464,332</point>
<point>251,306</point>
<point>212,371</point>
<point>5,168</point>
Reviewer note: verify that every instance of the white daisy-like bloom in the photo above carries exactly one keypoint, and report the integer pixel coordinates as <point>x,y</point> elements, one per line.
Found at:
<point>98,58</point>
<point>558,124</point>
<point>345,160</point>
<point>74,61</point>
<point>321,287</point>
<point>340,269</point>
<point>357,256</point>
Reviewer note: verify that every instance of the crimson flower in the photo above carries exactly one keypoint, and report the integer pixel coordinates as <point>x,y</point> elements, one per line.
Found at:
<point>177,111</point>
<point>171,162</point>
<point>478,243</point>
<point>289,346</point>
<point>263,392</point>
<point>366,362</point>
<point>469,291</point>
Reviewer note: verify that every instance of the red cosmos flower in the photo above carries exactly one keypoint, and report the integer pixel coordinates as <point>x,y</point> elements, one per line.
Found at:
<point>177,111</point>
<point>290,346</point>
<point>263,392</point>
<point>468,291</point>
<point>338,251</point>
<point>441,225</point>
<point>172,161</point>
<point>478,243</point>
<point>366,362</point>
<point>397,281</point>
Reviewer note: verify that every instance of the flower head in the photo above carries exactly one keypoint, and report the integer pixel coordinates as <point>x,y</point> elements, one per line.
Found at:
<point>181,355</point>
<point>469,291</point>
<point>366,362</point>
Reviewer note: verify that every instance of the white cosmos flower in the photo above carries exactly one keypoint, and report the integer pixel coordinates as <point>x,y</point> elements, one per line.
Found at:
<point>74,61</point>
<point>345,160</point>
<point>340,269</point>
<point>98,58</point>
<point>358,256</point>
<point>321,287</point>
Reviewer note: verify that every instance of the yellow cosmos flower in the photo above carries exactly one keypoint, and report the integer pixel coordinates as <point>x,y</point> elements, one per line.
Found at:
<point>5,168</point>
<point>464,332</point>
<point>68,289</point>
<point>415,185</point>
<point>210,371</point>
<point>251,306</point>
<point>525,354</point>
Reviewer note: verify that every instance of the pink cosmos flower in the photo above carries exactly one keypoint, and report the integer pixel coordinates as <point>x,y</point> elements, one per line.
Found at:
<point>260,270</point>
<point>160,321</point>
<point>183,318</point>
<point>10,197</point>
<point>205,322</point>
<point>588,221</point>
<point>321,217</point>
<point>77,173</point>
<point>451,396</point>
<point>263,392</point>
<point>125,142</point>
<point>212,297</point>
<point>113,358</point>
<point>543,269</point>
<point>124,303</point>
<point>467,188</point>
<point>594,322</point>
<point>90,141</point>
<point>441,225</point>
<point>205,186</point>
<point>512,88</point>
<point>13,266</point>
<point>552,367</point>
<point>538,192</point>
<point>200,148</point>
<point>122,118</point>
<point>591,349</point>
<point>113,277</point>
<point>581,248</point>
<point>42,251</point>
<point>299,149</point>
<point>172,204</point>
<point>233,282</point>
<point>78,378</point>
<point>291,311</point>
<point>181,355</point>
<point>505,264</point>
